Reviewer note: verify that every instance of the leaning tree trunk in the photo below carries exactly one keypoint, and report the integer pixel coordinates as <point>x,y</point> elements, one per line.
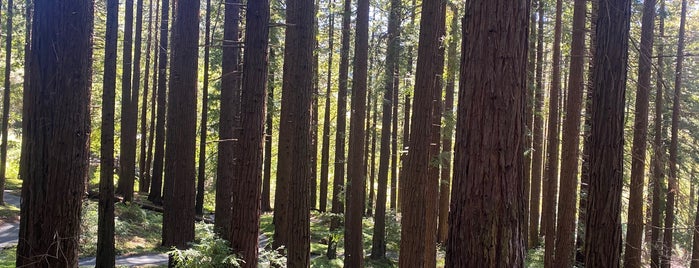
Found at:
<point>105,226</point>
<point>57,124</point>
<point>487,196</point>
<point>634,234</point>
<point>672,186</point>
<point>603,233</point>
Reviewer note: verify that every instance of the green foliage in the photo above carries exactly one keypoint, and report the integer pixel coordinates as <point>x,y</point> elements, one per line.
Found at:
<point>272,258</point>
<point>8,256</point>
<point>209,252</point>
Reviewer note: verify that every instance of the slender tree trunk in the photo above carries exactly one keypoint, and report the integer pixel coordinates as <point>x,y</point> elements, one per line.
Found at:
<point>57,115</point>
<point>657,160</point>
<point>420,193</point>
<point>552,154</point>
<point>695,240</point>
<point>538,137</point>
<point>529,117</point>
<point>565,232</point>
<point>155,195</point>
<point>154,101</point>
<point>135,86</point>
<point>356,175</point>
<point>378,241</point>
<point>126,156</point>
<point>634,234</point>
<point>367,142</point>
<point>143,163</point>
<point>340,155</point>
<point>448,128</point>
<point>179,188</point>
<point>372,161</point>
<point>267,179</point>
<point>394,138</point>
<point>246,188</point>
<point>603,234</point>
<point>325,150</point>
<point>406,148</point>
<point>201,175</point>
<point>314,115</point>
<point>6,100</point>
<point>672,186</point>
<point>105,226</point>
<point>488,193</point>
<point>229,120</point>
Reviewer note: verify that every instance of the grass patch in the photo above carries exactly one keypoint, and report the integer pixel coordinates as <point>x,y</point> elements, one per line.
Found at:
<point>8,256</point>
<point>9,213</point>
<point>535,258</point>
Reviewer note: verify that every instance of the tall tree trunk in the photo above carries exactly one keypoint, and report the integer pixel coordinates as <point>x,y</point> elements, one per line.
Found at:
<point>105,226</point>
<point>57,115</point>
<point>325,150</point>
<point>672,186</point>
<point>298,87</point>
<point>538,137</point>
<point>356,175</point>
<point>155,195</point>
<point>372,160</point>
<point>420,193</point>
<point>448,128</point>
<point>127,157</point>
<point>201,174</point>
<point>246,187</point>
<point>529,117</point>
<point>603,234</point>
<point>154,104</point>
<point>394,139</point>
<point>143,162</point>
<point>179,188</point>
<point>488,199</point>
<point>229,120</point>
<point>367,141</point>
<point>267,179</point>
<point>314,114</point>
<point>570,152</point>
<point>340,155</point>
<point>695,240</point>
<point>634,234</point>
<point>6,100</point>
<point>552,143</point>
<point>378,240</point>
<point>657,160</point>
<point>135,86</point>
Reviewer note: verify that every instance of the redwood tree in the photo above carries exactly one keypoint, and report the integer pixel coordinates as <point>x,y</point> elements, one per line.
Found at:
<point>538,136</point>
<point>657,163</point>
<point>6,100</point>
<point>179,187</point>
<point>57,124</point>
<point>127,143</point>
<point>156,188</point>
<point>486,224</point>
<point>325,150</point>
<point>603,233</point>
<point>201,173</point>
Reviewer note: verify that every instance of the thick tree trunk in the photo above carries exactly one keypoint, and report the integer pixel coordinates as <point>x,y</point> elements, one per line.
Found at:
<point>340,155</point>
<point>325,150</point>
<point>565,232</point>
<point>634,234</point>
<point>57,126</point>
<point>552,143</point>
<point>201,173</point>
<point>229,119</point>
<point>538,137</point>
<point>179,187</point>
<point>105,227</point>
<point>245,220</point>
<point>657,160</point>
<point>356,175</point>
<point>672,184</point>
<point>127,152</point>
<point>420,189</point>
<point>603,234</point>
<point>486,224</point>
<point>155,195</point>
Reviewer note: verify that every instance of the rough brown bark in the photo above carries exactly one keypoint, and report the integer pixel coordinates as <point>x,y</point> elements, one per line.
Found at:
<point>57,128</point>
<point>672,184</point>
<point>153,103</point>
<point>201,172</point>
<point>340,155</point>
<point>538,137</point>
<point>378,240</point>
<point>448,127</point>
<point>144,161</point>
<point>127,145</point>
<point>179,187</point>
<point>420,191</point>
<point>6,100</point>
<point>657,163</point>
<point>135,87</point>
<point>356,175</point>
<point>550,178</point>
<point>105,227</point>
<point>325,149</point>
<point>529,117</point>
<point>603,234</point>
<point>634,233</point>
<point>266,205</point>
<point>229,119</point>
<point>155,195</point>
<point>245,220</point>
<point>485,227</point>
<point>565,232</point>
